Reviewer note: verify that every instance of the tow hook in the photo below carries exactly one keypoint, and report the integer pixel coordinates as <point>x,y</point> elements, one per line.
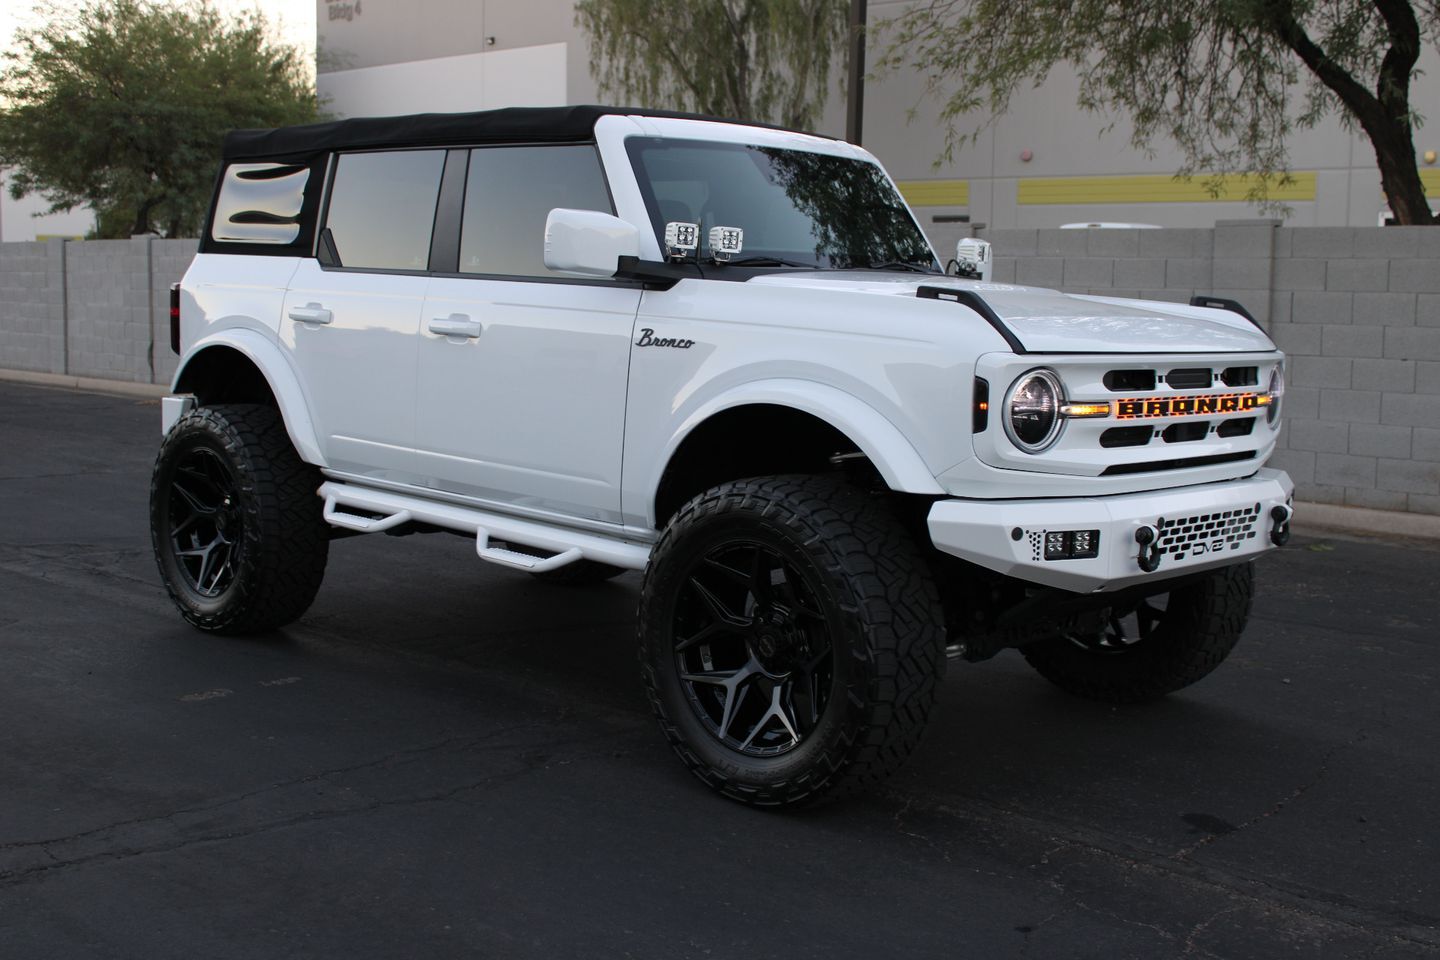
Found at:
<point>1280,532</point>
<point>1149,539</point>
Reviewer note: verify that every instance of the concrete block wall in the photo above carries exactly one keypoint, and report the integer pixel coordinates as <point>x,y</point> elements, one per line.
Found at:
<point>32,291</point>
<point>98,308</point>
<point>107,298</point>
<point>1356,309</point>
<point>169,259</point>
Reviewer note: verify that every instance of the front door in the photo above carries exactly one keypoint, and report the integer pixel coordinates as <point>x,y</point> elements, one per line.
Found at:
<point>522,373</point>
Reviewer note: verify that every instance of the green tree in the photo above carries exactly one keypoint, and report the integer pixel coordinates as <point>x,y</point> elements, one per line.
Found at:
<point>121,105</point>
<point>758,60</point>
<point>1226,81</point>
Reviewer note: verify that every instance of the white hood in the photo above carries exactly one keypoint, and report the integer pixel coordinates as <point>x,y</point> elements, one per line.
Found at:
<point>1048,321</point>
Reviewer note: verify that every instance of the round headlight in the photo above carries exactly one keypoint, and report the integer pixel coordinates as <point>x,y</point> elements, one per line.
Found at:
<point>1032,411</point>
<point>1277,393</point>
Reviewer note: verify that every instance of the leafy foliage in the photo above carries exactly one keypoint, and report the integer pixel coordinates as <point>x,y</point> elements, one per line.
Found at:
<point>122,104</point>
<point>1222,80</point>
<point>759,60</point>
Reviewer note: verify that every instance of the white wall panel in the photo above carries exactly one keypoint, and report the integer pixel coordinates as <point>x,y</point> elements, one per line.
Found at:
<point>523,77</point>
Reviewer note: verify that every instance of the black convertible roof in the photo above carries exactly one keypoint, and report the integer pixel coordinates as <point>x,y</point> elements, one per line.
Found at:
<point>511,124</point>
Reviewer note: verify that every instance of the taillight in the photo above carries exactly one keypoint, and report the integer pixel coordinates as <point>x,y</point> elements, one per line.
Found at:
<point>175,318</point>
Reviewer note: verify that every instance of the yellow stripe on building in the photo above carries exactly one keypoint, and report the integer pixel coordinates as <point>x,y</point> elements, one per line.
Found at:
<point>1153,189</point>
<point>935,193</point>
<point>1431,180</point>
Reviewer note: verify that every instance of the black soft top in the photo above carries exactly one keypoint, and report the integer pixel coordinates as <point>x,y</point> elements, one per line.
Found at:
<point>509,125</point>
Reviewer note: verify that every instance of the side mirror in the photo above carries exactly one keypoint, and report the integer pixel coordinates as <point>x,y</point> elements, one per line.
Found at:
<point>972,258</point>
<point>587,242</point>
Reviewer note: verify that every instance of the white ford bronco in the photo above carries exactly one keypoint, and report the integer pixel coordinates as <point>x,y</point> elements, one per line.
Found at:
<point>596,340</point>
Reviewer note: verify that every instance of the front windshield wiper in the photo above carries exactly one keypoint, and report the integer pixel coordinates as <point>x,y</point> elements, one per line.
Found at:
<point>767,262</point>
<point>915,266</point>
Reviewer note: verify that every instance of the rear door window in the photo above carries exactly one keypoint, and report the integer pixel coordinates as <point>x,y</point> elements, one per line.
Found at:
<point>382,208</point>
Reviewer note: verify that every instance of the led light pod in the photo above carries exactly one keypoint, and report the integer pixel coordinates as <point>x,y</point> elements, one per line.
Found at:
<point>681,239</point>
<point>725,242</point>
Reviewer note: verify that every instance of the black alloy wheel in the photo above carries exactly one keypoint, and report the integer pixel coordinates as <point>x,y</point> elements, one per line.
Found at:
<point>237,527</point>
<point>753,649</point>
<point>206,527</point>
<point>791,638</point>
<point>1154,647</point>
<point>1122,628</point>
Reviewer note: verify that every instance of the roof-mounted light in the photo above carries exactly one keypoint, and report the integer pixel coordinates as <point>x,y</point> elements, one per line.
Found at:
<point>725,242</point>
<point>681,239</point>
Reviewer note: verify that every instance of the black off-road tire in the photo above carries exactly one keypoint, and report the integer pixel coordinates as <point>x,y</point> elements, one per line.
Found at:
<point>580,573</point>
<point>280,540</point>
<point>880,608</point>
<point>1202,621</point>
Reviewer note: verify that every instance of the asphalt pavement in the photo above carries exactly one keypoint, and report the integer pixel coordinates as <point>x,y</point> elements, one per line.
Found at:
<point>449,759</point>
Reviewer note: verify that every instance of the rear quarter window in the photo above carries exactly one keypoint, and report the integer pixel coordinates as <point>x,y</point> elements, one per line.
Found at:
<point>260,203</point>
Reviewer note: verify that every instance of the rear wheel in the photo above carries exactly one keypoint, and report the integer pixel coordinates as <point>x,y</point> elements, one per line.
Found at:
<point>235,522</point>
<point>1153,647</point>
<point>790,639</point>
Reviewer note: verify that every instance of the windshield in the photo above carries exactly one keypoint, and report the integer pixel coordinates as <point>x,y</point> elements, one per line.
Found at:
<point>803,209</point>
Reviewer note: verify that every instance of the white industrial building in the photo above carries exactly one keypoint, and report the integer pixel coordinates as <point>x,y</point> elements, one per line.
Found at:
<point>1044,164</point>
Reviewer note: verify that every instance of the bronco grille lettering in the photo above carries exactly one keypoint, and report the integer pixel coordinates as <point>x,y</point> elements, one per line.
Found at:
<point>1142,408</point>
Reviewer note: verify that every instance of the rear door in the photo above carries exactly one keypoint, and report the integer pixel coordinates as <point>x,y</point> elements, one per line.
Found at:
<point>351,328</point>
<point>522,372</point>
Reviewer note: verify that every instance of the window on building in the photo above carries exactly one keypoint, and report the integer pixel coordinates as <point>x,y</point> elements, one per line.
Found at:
<point>509,192</point>
<point>382,208</point>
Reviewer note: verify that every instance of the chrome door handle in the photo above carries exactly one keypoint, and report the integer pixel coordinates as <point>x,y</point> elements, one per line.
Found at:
<point>311,313</point>
<point>455,325</point>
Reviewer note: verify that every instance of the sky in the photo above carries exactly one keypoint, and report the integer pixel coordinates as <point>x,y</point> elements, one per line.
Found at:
<point>295,19</point>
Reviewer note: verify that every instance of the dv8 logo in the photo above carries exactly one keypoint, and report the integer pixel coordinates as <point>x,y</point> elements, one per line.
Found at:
<point>1203,547</point>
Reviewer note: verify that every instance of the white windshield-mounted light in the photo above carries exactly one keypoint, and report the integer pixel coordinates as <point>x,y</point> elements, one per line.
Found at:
<point>725,242</point>
<point>681,239</point>
<point>972,259</point>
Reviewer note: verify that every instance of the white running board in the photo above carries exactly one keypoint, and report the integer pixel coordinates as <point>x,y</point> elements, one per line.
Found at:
<point>397,508</point>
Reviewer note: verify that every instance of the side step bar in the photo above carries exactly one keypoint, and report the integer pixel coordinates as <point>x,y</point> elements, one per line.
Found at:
<point>397,508</point>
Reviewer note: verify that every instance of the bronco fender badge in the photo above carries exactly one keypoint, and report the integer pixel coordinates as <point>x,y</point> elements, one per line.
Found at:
<point>648,339</point>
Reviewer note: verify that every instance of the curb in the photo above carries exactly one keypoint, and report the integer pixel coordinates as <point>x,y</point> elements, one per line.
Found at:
<point>118,388</point>
<point>1309,517</point>
<point>1362,521</point>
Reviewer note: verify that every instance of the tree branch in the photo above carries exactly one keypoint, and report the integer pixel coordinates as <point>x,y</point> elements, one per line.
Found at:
<point>1361,102</point>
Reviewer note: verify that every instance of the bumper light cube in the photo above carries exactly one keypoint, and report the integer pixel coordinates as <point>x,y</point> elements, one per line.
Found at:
<point>1072,544</point>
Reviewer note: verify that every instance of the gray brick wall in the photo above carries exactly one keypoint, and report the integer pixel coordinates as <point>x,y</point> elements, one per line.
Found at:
<point>1356,309</point>
<point>94,309</point>
<point>32,295</point>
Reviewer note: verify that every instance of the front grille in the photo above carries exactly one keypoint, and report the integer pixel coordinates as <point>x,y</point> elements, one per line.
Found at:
<point>1240,376</point>
<point>1180,464</point>
<point>1190,378</point>
<point>1242,427</point>
<point>1187,432</point>
<point>1166,413</point>
<point>1126,436</point>
<point>1207,533</point>
<point>1122,380</point>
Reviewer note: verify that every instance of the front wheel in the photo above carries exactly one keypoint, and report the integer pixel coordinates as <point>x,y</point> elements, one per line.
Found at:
<point>1155,646</point>
<point>791,639</point>
<point>237,528</point>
